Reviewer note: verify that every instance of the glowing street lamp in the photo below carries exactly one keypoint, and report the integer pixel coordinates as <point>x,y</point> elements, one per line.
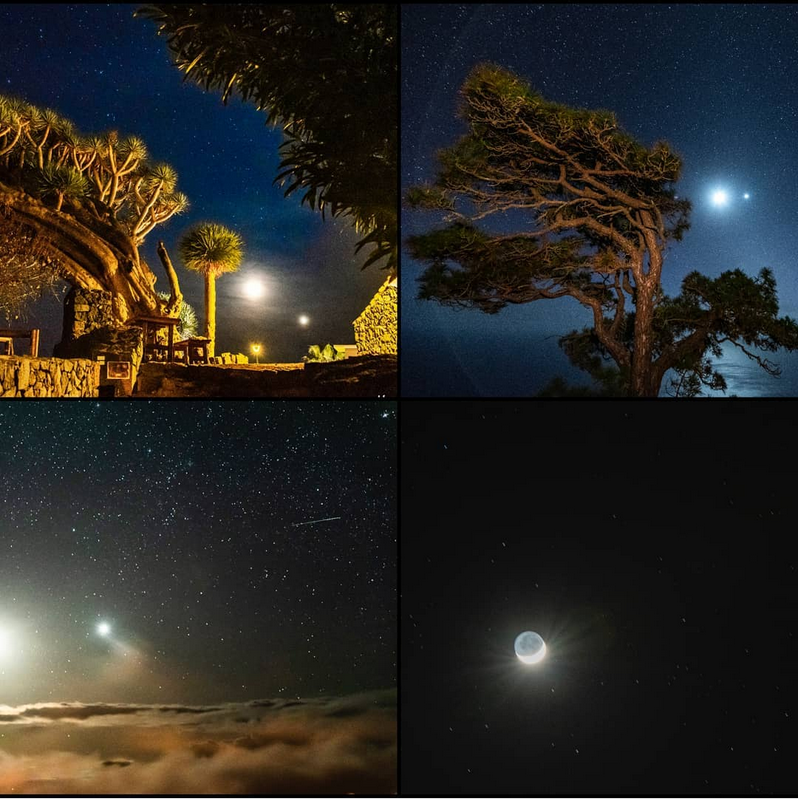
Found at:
<point>256,351</point>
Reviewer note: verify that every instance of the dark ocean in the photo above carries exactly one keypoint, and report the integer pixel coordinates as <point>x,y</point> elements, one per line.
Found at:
<point>516,369</point>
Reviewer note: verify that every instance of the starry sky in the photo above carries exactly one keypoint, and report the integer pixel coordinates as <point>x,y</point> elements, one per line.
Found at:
<point>174,523</point>
<point>103,69</point>
<point>712,80</point>
<point>661,576</point>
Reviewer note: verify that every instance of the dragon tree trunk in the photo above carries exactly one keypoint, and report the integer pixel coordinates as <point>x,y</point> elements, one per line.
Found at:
<point>210,311</point>
<point>92,254</point>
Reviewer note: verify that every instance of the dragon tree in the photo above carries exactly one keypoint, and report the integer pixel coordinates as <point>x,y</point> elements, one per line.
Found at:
<point>87,203</point>
<point>584,211</point>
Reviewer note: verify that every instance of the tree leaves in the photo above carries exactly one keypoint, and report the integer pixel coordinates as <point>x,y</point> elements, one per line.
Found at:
<point>212,249</point>
<point>583,209</point>
<point>327,74</point>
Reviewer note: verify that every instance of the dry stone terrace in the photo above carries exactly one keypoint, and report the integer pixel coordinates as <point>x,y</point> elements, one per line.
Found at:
<point>22,376</point>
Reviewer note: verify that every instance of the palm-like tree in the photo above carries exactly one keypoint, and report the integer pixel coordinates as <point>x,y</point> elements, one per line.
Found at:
<point>62,182</point>
<point>211,249</point>
<point>187,316</point>
<point>326,73</point>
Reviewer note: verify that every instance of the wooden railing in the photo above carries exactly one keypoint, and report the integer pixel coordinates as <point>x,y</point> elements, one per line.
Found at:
<point>7,337</point>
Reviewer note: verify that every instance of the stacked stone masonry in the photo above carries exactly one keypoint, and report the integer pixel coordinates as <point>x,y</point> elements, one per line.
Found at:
<point>86,310</point>
<point>376,327</point>
<point>47,377</point>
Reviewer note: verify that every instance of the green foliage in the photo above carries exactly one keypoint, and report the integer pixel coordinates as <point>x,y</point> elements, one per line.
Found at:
<point>598,210</point>
<point>586,352</point>
<point>188,317</point>
<point>43,154</point>
<point>62,182</point>
<point>325,354</point>
<point>689,331</point>
<point>212,249</point>
<point>327,73</point>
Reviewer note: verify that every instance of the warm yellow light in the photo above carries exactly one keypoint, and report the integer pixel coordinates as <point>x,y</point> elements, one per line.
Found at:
<point>254,289</point>
<point>304,320</point>
<point>256,348</point>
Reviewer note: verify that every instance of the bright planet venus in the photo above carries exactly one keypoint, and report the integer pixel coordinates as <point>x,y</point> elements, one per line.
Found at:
<point>530,647</point>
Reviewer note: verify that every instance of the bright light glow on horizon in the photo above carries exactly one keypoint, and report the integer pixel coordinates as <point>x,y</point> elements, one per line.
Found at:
<point>5,644</point>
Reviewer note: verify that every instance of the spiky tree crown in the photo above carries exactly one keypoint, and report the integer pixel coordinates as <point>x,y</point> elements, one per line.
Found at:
<point>211,249</point>
<point>43,152</point>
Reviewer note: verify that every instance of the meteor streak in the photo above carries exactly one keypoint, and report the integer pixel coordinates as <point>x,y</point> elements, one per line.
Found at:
<point>316,521</point>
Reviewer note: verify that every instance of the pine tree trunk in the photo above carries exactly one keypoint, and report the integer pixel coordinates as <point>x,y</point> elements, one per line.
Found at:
<point>642,378</point>
<point>210,312</point>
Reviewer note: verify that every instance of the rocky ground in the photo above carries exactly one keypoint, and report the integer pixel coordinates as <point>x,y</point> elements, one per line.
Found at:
<point>364,376</point>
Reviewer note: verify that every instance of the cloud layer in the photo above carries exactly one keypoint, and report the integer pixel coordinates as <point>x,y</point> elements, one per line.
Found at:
<point>321,746</point>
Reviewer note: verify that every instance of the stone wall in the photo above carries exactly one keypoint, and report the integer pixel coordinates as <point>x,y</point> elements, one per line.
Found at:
<point>231,357</point>
<point>21,376</point>
<point>86,310</point>
<point>376,327</point>
<point>91,332</point>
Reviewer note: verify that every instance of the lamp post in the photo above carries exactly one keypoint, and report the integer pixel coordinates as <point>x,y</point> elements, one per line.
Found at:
<point>256,351</point>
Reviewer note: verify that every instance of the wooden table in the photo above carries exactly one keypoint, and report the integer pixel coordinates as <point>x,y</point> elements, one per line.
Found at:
<point>151,325</point>
<point>8,335</point>
<point>192,347</point>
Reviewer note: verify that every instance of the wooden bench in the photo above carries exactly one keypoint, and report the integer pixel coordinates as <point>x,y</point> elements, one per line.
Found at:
<point>7,337</point>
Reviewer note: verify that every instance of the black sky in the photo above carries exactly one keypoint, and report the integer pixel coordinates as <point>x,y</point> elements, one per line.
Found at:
<point>651,546</point>
<point>98,66</point>
<point>174,523</point>
<point>715,81</point>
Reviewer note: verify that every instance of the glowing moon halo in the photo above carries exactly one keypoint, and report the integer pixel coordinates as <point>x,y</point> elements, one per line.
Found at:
<point>719,197</point>
<point>254,289</point>
<point>530,648</point>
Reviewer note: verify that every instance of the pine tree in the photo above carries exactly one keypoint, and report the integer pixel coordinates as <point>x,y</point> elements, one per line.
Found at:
<point>600,210</point>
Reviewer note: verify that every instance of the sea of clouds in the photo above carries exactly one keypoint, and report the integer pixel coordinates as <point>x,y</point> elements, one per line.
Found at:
<point>273,746</point>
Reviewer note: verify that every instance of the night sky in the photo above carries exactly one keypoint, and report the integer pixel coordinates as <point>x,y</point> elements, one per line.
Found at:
<point>98,66</point>
<point>182,526</point>
<point>173,522</point>
<point>651,548</point>
<point>715,81</point>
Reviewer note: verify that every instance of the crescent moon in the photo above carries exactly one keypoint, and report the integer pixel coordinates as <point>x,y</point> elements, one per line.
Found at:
<point>536,658</point>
